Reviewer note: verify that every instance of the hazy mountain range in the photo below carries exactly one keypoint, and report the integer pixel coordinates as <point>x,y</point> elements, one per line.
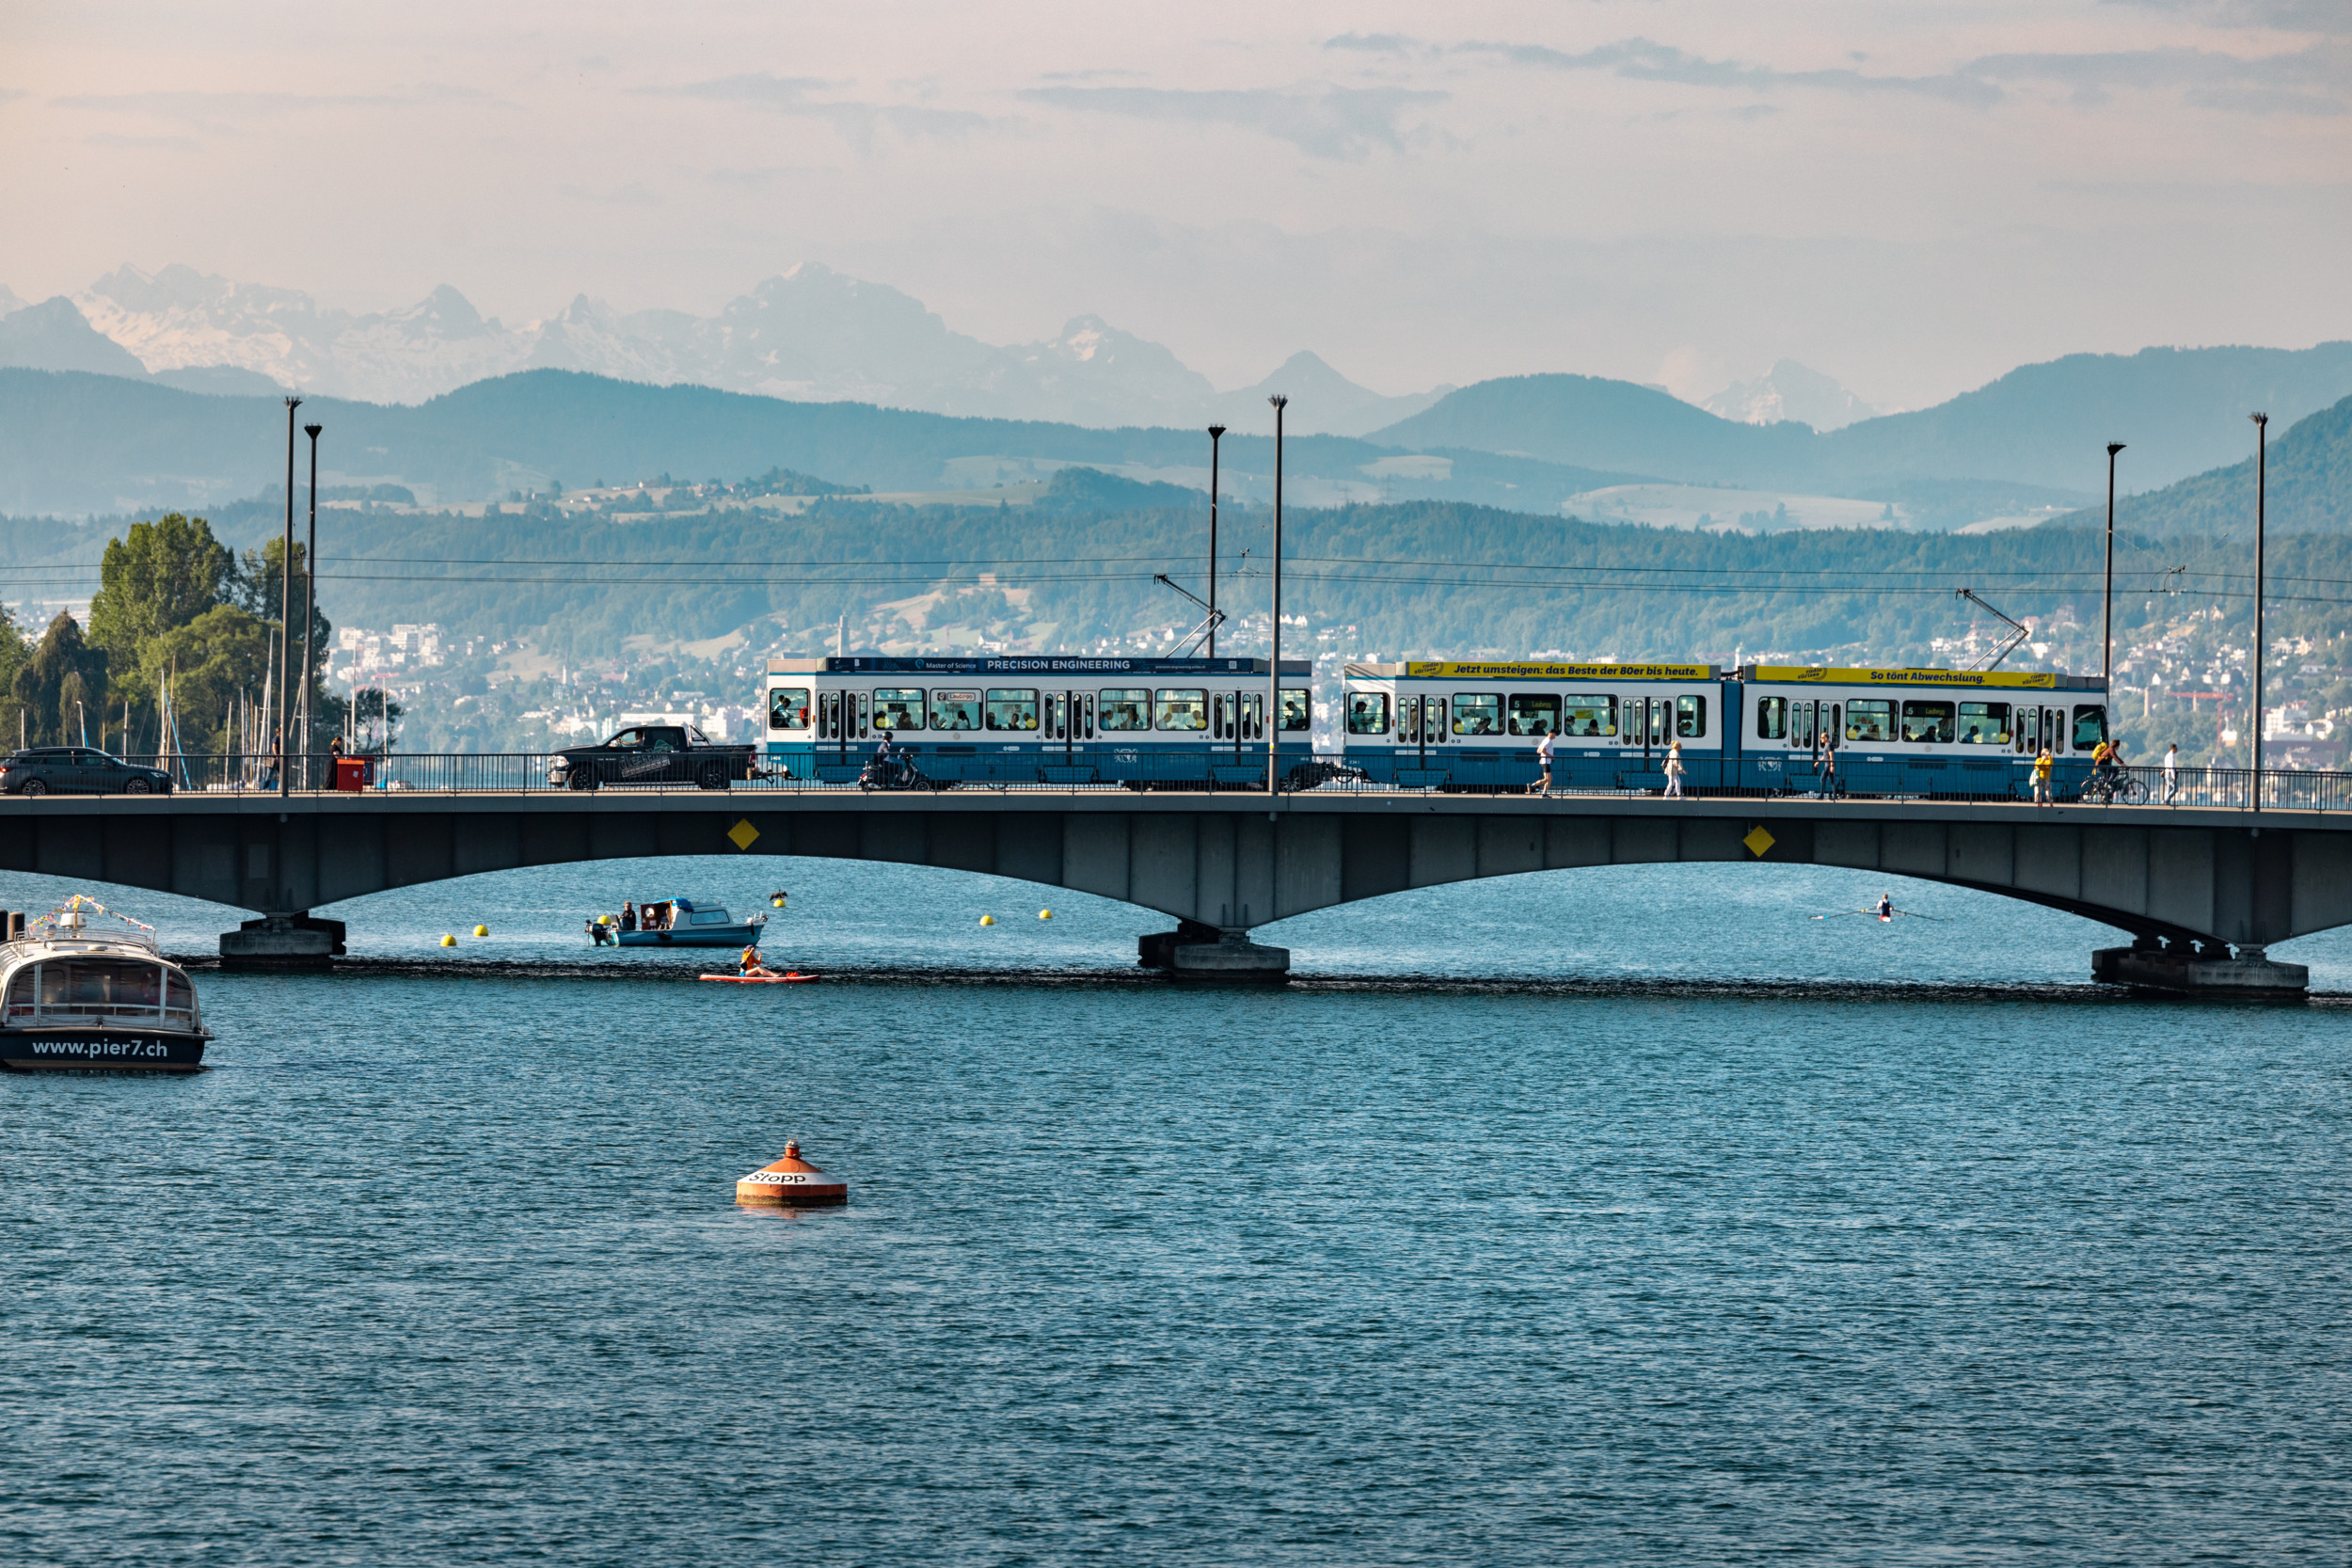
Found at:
<point>808,335</point>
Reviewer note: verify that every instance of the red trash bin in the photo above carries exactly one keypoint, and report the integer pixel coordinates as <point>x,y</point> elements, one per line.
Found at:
<point>354,772</point>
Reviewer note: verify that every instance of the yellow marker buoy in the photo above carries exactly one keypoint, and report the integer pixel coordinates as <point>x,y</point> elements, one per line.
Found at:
<point>604,920</point>
<point>481,930</point>
<point>1046,914</point>
<point>988,920</point>
<point>448,941</point>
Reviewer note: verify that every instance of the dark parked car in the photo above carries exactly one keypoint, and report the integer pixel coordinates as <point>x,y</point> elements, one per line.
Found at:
<point>652,754</point>
<point>78,770</point>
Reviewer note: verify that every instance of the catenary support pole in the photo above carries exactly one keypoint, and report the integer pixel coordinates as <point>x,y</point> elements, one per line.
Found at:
<point>1274,700</point>
<point>309,602</point>
<point>1216,434</point>
<point>2262,477</point>
<point>2107,613</point>
<point>285,598</point>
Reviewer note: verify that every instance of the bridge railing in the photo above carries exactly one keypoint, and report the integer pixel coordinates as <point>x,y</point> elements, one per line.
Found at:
<point>1631,777</point>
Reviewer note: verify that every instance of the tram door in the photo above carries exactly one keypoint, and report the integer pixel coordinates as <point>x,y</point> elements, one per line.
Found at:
<point>1649,722</point>
<point>1055,726</point>
<point>1801,717</point>
<point>1251,709</point>
<point>1408,725</point>
<point>829,717</point>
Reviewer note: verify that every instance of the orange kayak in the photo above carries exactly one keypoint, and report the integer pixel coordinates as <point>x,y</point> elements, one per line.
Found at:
<point>761,979</point>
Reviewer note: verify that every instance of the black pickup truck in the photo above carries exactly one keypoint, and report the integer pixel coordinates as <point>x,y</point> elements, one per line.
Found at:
<point>652,754</point>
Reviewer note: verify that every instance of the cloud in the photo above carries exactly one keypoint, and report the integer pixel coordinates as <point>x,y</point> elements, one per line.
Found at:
<point>10,95</point>
<point>1643,61</point>
<point>140,144</point>
<point>798,98</point>
<point>1324,123</point>
<point>2284,16</point>
<point>2315,80</point>
<point>1373,43</point>
<point>631,195</point>
<point>218,112</point>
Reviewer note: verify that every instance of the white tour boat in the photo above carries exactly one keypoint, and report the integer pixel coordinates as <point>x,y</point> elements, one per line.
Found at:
<point>87,988</point>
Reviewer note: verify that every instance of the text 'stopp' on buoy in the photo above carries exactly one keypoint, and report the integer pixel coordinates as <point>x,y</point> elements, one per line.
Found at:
<point>481,930</point>
<point>988,920</point>
<point>1046,914</point>
<point>448,941</point>
<point>792,1182</point>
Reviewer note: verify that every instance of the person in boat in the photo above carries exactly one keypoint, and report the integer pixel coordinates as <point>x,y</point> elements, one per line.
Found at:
<point>629,917</point>
<point>1886,906</point>
<point>751,969</point>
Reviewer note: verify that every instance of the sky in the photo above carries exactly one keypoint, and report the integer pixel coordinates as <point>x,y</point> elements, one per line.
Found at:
<point>1912,195</point>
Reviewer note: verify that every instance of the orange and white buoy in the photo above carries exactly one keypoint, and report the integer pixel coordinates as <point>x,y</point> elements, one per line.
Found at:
<point>793,1181</point>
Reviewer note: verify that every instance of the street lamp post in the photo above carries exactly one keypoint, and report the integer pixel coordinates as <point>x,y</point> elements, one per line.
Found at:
<point>2262,473</point>
<point>1274,704</point>
<point>2106,620</point>
<point>309,598</point>
<point>285,596</point>
<point>1216,434</point>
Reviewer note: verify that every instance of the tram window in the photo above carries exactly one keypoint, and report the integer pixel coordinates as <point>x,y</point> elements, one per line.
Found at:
<point>1184,708</point>
<point>1298,709</point>
<point>1477,713</point>
<point>1585,713</point>
<point>1691,717</point>
<point>1927,723</point>
<point>1869,719</point>
<point>1012,709</point>
<point>898,708</point>
<point>787,707</point>
<point>955,710</point>
<point>1126,708</point>
<point>1367,713</point>
<point>2090,727</point>
<point>1771,718</point>
<point>1534,713</point>
<point>1984,723</point>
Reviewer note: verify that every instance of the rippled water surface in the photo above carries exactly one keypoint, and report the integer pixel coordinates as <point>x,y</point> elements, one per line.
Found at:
<point>1610,1217</point>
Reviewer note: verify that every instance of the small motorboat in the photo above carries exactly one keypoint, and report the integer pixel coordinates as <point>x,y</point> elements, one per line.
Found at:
<point>87,989</point>
<point>676,922</point>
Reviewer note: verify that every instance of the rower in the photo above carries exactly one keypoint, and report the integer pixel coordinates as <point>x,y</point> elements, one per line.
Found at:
<point>1886,906</point>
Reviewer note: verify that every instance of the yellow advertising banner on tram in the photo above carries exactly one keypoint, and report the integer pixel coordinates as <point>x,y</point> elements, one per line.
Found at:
<point>1806,674</point>
<point>1561,671</point>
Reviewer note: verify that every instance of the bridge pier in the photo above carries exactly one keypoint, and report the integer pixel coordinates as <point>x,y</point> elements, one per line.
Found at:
<point>284,940</point>
<point>1198,952</point>
<point>2202,970</point>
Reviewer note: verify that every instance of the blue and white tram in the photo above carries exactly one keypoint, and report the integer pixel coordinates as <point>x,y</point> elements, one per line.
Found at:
<point>1954,733</point>
<point>1047,720</point>
<point>1478,726</point>
<point>1950,732</point>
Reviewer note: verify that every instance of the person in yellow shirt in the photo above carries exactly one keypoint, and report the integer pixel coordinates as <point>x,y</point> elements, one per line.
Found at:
<point>2041,767</point>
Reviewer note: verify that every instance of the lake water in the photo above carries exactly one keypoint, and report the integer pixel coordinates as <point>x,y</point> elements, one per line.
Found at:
<point>1614,1217</point>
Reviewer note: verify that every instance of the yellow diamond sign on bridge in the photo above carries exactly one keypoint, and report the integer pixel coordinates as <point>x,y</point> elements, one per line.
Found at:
<point>743,832</point>
<point>1758,841</point>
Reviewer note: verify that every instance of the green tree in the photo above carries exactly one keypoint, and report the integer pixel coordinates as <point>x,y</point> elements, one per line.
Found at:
<point>157,578</point>
<point>258,584</point>
<point>64,670</point>
<point>210,662</point>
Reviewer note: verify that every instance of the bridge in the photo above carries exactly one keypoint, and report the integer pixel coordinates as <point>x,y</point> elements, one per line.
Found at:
<point>2202,892</point>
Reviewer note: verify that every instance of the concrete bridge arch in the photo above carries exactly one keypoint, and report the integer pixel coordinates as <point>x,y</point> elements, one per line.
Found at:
<point>2189,885</point>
